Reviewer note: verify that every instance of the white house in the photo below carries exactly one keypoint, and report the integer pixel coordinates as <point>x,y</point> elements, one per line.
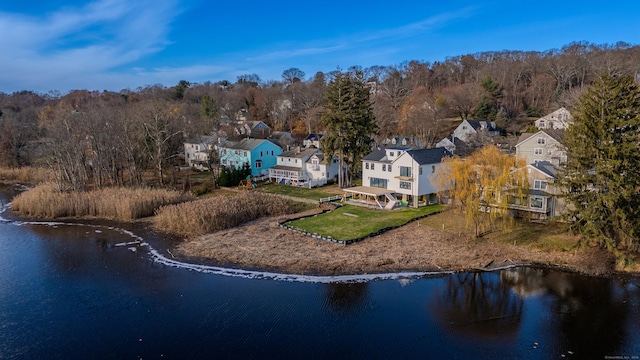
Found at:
<point>197,150</point>
<point>312,140</point>
<point>544,145</point>
<point>321,169</point>
<point>303,167</point>
<point>469,128</point>
<point>560,119</point>
<point>399,175</point>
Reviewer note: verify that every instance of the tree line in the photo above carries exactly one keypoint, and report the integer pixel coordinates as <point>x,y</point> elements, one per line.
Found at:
<point>104,138</point>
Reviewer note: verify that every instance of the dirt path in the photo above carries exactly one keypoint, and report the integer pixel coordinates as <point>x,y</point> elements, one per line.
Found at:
<point>262,244</point>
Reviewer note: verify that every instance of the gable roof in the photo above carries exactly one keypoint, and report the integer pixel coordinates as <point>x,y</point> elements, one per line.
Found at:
<point>556,134</point>
<point>246,144</point>
<point>429,156</point>
<point>313,137</point>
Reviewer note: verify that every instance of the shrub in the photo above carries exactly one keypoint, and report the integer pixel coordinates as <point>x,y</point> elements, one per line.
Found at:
<point>125,204</point>
<point>28,175</point>
<point>221,212</point>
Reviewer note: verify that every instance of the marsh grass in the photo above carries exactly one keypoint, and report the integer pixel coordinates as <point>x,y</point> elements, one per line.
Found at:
<point>124,204</point>
<point>28,175</point>
<point>221,212</point>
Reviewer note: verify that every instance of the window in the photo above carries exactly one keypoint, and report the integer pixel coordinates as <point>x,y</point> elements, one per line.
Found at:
<point>405,185</point>
<point>419,170</point>
<point>258,164</point>
<point>537,151</point>
<point>405,171</point>
<point>433,168</point>
<point>224,162</point>
<point>244,154</point>
<point>536,202</point>
<point>391,154</point>
<point>372,164</point>
<point>366,166</point>
<point>271,152</point>
<point>237,152</point>
<point>539,185</point>
<point>379,183</point>
<point>389,168</point>
<point>541,141</point>
<point>260,153</point>
<point>384,167</point>
<point>224,151</point>
<point>197,147</point>
<point>315,165</point>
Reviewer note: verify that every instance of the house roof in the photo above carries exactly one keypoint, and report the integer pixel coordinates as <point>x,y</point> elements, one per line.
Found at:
<point>545,167</point>
<point>313,137</point>
<point>298,153</point>
<point>376,155</point>
<point>556,134</point>
<point>475,123</point>
<point>203,139</point>
<point>429,156</point>
<point>246,144</point>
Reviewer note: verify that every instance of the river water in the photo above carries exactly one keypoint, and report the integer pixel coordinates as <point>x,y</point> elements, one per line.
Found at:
<point>96,291</point>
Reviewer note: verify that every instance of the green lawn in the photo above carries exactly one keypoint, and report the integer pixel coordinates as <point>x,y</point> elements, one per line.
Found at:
<point>295,191</point>
<point>352,222</point>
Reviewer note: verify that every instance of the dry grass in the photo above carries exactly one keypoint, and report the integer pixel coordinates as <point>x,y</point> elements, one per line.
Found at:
<point>28,175</point>
<point>220,212</point>
<point>125,204</point>
<point>261,244</point>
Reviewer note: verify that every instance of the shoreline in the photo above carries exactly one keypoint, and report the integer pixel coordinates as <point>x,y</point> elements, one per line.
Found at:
<point>262,245</point>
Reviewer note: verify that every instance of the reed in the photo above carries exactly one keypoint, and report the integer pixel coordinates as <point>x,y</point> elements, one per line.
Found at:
<point>221,212</point>
<point>124,204</point>
<point>27,174</point>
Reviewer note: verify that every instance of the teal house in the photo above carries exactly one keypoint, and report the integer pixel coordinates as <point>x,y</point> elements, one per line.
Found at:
<point>260,154</point>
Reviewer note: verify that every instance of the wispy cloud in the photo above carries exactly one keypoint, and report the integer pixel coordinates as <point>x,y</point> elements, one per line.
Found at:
<point>73,46</point>
<point>363,42</point>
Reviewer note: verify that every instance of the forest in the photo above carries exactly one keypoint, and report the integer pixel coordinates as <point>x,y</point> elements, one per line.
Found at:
<point>97,139</point>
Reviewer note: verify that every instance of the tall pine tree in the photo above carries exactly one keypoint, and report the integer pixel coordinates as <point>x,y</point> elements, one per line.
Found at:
<point>603,167</point>
<point>349,121</point>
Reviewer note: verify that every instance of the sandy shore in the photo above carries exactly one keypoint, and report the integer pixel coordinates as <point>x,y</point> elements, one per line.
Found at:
<point>262,244</point>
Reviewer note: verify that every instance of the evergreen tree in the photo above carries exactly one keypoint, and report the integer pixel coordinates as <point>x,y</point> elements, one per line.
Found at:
<point>349,120</point>
<point>603,168</point>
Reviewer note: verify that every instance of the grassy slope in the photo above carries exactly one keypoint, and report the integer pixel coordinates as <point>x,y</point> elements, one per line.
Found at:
<point>352,222</point>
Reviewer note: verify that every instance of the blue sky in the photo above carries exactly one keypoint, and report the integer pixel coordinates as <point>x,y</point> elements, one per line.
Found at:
<point>127,44</point>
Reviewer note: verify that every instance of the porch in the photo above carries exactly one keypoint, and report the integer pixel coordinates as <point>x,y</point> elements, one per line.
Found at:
<point>370,197</point>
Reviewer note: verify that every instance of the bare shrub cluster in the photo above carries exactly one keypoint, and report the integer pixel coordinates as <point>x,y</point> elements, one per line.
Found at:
<point>27,174</point>
<point>125,204</point>
<point>221,212</point>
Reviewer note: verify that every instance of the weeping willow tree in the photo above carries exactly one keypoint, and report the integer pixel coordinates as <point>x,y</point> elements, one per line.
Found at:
<point>603,166</point>
<point>483,186</point>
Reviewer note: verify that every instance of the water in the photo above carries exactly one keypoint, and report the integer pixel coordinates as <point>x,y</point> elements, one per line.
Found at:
<point>75,291</point>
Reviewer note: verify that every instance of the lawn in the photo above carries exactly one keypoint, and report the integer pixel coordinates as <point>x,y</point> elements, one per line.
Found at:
<point>305,193</point>
<point>352,222</point>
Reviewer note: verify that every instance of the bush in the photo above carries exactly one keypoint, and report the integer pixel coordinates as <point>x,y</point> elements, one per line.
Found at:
<point>125,204</point>
<point>28,175</point>
<point>221,212</point>
<point>232,176</point>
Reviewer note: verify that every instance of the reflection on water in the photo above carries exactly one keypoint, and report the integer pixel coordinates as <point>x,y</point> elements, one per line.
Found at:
<point>478,305</point>
<point>70,291</point>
